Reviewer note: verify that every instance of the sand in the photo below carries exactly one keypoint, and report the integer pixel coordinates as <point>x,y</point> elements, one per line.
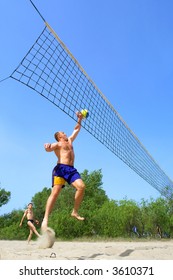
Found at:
<point>114,250</point>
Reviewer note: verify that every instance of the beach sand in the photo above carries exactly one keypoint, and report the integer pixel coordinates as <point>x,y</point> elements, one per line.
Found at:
<point>114,250</point>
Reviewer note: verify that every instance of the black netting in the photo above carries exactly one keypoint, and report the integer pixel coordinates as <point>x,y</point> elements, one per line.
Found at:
<point>51,70</point>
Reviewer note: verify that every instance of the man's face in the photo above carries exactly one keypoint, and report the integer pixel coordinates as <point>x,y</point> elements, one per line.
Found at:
<point>62,135</point>
<point>30,206</point>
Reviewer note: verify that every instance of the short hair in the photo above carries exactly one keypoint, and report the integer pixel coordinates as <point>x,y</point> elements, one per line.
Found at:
<point>56,135</point>
<point>30,203</point>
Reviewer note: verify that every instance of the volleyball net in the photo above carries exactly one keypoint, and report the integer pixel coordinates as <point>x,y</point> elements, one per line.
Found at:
<point>50,69</point>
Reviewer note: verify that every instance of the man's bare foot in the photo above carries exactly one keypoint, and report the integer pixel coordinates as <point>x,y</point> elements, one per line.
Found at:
<point>76,216</point>
<point>44,225</point>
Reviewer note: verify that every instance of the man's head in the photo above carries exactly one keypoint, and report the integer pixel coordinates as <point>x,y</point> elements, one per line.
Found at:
<point>30,205</point>
<point>60,135</point>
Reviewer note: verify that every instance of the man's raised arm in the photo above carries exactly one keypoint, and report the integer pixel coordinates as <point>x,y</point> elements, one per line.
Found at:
<point>77,127</point>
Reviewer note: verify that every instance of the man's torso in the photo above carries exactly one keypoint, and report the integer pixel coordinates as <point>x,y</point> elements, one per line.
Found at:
<point>65,153</point>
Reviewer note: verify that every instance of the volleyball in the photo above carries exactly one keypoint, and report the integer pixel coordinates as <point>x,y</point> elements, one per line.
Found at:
<point>85,113</point>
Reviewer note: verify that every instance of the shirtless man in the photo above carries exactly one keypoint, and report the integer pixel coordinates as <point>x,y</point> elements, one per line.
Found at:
<point>64,171</point>
<point>30,221</point>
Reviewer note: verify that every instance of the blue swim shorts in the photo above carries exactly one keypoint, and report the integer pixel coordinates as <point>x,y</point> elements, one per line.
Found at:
<point>64,173</point>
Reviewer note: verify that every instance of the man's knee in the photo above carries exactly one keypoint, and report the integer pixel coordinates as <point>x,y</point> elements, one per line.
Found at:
<point>81,186</point>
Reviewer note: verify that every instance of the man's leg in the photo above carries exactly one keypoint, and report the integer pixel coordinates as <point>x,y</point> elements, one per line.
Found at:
<point>49,205</point>
<point>32,229</point>
<point>30,234</point>
<point>80,189</point>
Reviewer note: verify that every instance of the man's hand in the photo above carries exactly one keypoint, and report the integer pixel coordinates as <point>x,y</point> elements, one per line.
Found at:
<point>47,146</point>
<point>79,115</point>
<point>37,222</point>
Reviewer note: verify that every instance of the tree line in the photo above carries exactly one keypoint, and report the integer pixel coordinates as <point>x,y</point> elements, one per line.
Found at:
<point>105,218</point>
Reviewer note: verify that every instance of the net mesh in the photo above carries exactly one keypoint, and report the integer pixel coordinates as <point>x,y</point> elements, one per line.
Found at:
<point>52,71</point>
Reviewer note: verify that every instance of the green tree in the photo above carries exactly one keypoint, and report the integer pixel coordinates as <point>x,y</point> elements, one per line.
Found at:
<point>158,214</point>
<point>95,196</point>
<point>4,196</point>
<point>146,218</point>
<point>106,220</point>
<point>10,229</point>
<point>129,216</point>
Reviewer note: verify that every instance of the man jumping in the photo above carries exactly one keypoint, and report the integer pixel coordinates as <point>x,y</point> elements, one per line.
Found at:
<point>64,171</point>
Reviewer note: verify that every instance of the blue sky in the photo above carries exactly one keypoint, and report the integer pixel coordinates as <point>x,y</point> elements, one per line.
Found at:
<point>125,46</point>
